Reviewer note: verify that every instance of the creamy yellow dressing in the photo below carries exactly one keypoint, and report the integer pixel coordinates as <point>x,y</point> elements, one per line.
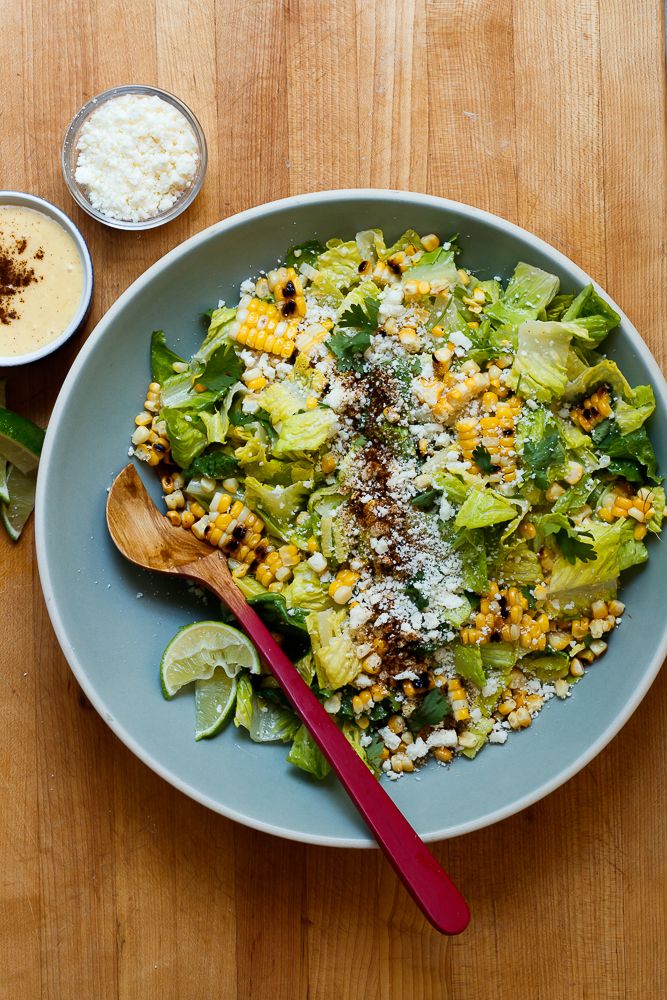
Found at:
<point>36,314</point>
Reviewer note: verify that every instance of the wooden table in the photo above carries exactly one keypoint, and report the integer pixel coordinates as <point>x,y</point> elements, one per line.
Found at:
<point>112,884</point>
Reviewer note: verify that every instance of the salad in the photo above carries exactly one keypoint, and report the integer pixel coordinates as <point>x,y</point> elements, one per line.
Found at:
<point>426,482</point>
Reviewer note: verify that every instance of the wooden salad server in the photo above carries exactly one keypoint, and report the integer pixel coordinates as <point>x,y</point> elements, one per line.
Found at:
<point>146,538</point>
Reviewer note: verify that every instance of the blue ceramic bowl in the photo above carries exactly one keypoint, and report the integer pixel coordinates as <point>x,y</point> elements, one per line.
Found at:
<point>113,620</point>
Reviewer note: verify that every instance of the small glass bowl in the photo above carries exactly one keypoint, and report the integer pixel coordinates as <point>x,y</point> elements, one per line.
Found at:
<point>70,156</point>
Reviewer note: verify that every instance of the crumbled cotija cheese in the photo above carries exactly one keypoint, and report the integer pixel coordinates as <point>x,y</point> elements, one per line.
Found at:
<point>137,155</point>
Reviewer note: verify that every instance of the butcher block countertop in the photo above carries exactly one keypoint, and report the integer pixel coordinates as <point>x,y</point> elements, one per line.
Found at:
<point>113,884</point>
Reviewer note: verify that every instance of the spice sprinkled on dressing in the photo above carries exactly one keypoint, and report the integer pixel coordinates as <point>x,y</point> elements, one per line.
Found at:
<point>41,280</point>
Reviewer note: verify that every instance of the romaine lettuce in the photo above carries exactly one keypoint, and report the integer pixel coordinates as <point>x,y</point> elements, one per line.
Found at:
<point>540,364</point>
<point>277,505</point>
<point>528,292</point>
<point>483,507</point>
<point>265,720</point>
<point>305,432</point>
<point>338,269</point>
<point>592,318</point>
<point>336,661</point>
<point>604,372</point>
<point>162,358</point>
<point>306,754</point>
<point>216,336</point>
<point>576,585</point>
<point>631,415</point>
<point>306,590</point>
<point>436,267</point>
<point>282,400</point>
<point>468,664</point>
<point>186,433</point>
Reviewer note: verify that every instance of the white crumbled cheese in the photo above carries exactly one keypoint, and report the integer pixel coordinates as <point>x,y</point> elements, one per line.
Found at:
<point>406,675</point>
<point>498,736</point>
<point>391,740</point>
<point>460,340</point>
<point>137,156</point>
<point>381,545</point>
<point>442,738</point>
<point>365,740</point>
<point>359,615</point>
<point>362,681</point>
<point>604,461</point>
<point>417,749</point>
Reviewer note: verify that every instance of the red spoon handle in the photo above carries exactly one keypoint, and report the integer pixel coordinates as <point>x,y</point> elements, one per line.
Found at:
<point>426,881</point>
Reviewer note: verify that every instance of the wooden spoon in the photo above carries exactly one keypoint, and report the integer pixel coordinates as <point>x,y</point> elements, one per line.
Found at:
<point>146,538</point>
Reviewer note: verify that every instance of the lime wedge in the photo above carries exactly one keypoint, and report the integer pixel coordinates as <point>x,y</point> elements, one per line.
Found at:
<point>20,440</point>
<point>195,652</point>
<point>214,702</point>
<point>4,492</point>
<point>21,489</point>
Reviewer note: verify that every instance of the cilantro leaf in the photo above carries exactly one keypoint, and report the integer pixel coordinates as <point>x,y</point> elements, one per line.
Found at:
<point>426,500</point>
<point>631,451</point>
<point>240,419</point>
<point>223,369</point>
<point>304,253</point>
<point>349,350</point>
<point>215,465</point>
<point>416,595</point>
<point>432,710</point>
<point>572,543</point>
<point>540,455</point>
<point>482,456</point>
<point>374,752</point>
<point>362,316</point>
<point>573,546</point>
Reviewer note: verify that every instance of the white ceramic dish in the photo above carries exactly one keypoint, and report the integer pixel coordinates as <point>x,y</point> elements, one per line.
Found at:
<point>46,208</point>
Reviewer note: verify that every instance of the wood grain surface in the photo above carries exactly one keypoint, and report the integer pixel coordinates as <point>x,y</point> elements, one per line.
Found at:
<point>113,884</point>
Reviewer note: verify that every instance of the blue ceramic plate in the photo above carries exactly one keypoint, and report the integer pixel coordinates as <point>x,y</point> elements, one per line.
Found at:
<point>113,620</point>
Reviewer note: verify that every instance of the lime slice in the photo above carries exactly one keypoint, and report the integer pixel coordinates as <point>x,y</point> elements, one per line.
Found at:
<point>21,489</point>
<point>20,440</point>
<point>214,702</point>
<point>4,492</point>
<point>195,652</point>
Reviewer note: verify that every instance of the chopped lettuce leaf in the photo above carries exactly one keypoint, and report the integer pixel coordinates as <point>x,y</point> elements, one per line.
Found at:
<point>436,267</point>
<point>483,507</point>
<point>409,238</point>
<point>499,657</point>
<point>605,372</point>
<point>468,664</point>
<point>338,269</point>
<point>658,504</point>
<point>371,244</point>
<point>592,317</point>
<point>306,590</point>
<point>304,253</point>
<point>518,565</point>
<point>305,432</point>
<point>547,668</point>
<point>358,297</point>
<point>216,426</point>
<point>265,720</point>
<point>162,357</point>
<point>540,363</point>
<point>480,730</point>
<point>221,320</point>
<point>631,551</point>
<point>336,661</point>
<point>282,400</point>
<point>631,416</point>
<point>186,433</point>
<point>528,292</point>
<point>277,505</point>
<point>306,754</point>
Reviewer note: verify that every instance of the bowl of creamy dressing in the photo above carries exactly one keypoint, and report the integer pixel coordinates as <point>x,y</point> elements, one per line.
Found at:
<point>46,278</point>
